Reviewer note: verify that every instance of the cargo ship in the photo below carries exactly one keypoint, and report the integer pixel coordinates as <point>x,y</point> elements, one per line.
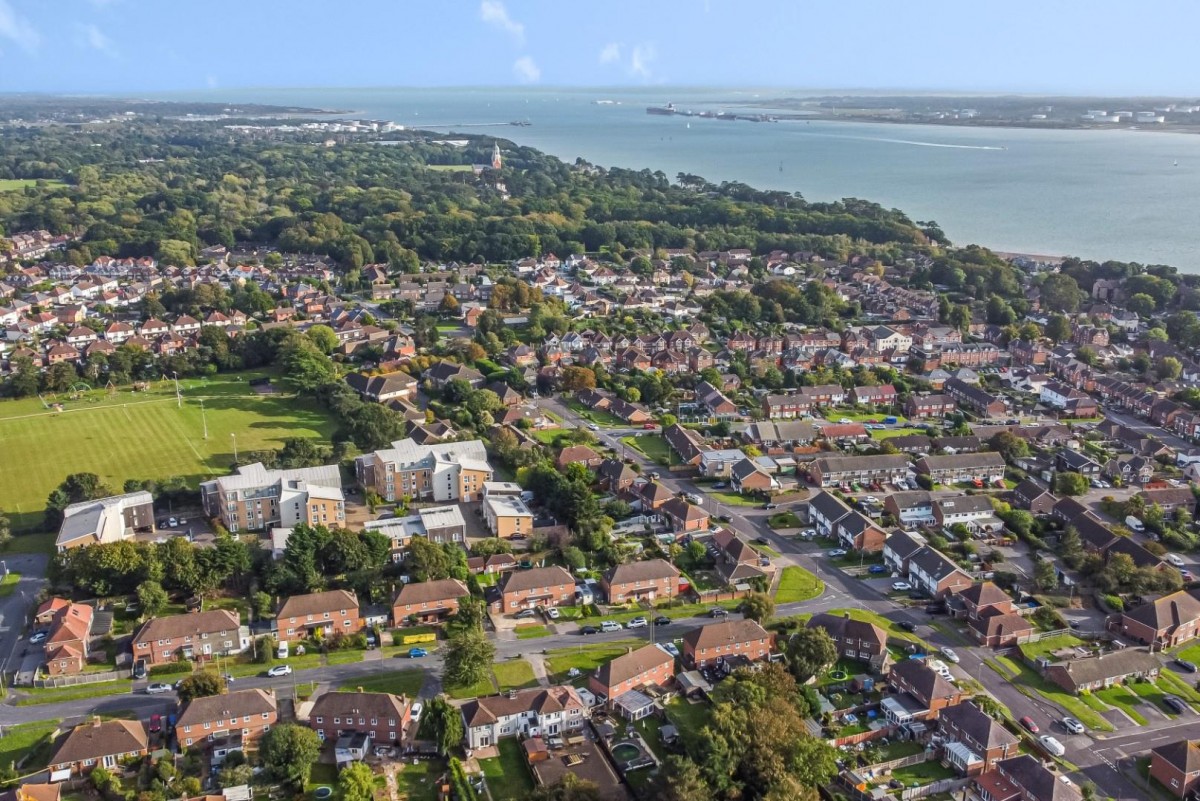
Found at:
<point>667,109</point>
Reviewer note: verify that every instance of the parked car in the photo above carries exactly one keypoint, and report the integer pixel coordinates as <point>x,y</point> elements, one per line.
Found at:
<point>414,712</point>
<point>901,586</point>
<point>593,427</point>
<point>155,724</point>
<point>662,620</point>
<point>876,570</point>
<point>585,630</point>
<point>139,669</point>
<point>907,625</point>
<point>649,426</point>
<point>384,751</point>
<point>1176,704</point>
<point>762,540</point>
<point>871,499</point>
<point>172,522</point>
<point>808,533</point>
<point>1052,745</point>
<point>669,647</point>
<point>837,553</point>
<point>949,654</point>
<point>286,670</point>
<point>1029,725</point>
<point>553,613</point>
<point>694,498</point>
<point>610,625</point>
<point>1074,726</point>
<point>935,609</point>
<point>525,614</point>
<point>417,653</point>
<point>770,506</point>
<point>1175,559</point>
<point>38,636</point>
<point>637,623</point>
<point>158,688</point>
<point>720,485</point>
<point>718,611</point>
<point>1186,666</point>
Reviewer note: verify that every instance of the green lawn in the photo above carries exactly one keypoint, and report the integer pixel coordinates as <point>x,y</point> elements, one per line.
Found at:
<point>888,433</point>
<point>597,417</point>
<point>515,674</point>
<point>675,611</point>
<point>1152,692</point>
<point>688,718</point>
<point>922,773</point>
<point>1026,681</point>
<point>797,584</point>
<point>449,167</point>
<point>784,520</point>
<point>531,632</point>
<point>142,435</point>
<point>734,499</point>
<point>484,686</point>
<point>652,446</point>
<point>31,543</point>
<point>833,415</point>
<point>1121,698</point>
<point>1172,683</point>
<point>1048,645</point>
<point>548,436</point>
<point>1191,653</point>
<point>323,774</point>
<point>508,776</point>
<point>32,740</point>
<point>586,658</point>
<point>397,682</point>
<point>34,696</point>
<point>418,782</point>
<point>17,184</point>
<point>8,584</point>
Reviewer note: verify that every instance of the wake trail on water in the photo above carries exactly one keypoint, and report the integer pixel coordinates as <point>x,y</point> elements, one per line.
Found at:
<point>913,142</point>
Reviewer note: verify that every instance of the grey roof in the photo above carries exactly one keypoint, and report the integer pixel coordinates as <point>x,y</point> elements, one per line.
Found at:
<point>959,504</point>
<point>904,544</point>
<point>94,518</point>
<point>829,505</point>
<point>845,464</point>
<point>934,563</point>
<point>911,500</point>
<point>977,725</point>
<point>1112,665</point>
<point>961,461</point>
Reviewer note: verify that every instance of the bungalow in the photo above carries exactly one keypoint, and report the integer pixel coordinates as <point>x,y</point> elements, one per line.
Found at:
<point>1096,672</point>
<point>786,434</point>
<point>747,476</point>
<point>647,666</point>
<point>855,639</point>
<point>712,644</point>
<point>106,743</point>
<point>428,601</point>
<point>383,388</point>
<point>996,629</point>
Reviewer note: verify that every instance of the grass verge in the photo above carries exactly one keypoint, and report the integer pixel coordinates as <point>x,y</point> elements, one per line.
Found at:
<point>797,584</point>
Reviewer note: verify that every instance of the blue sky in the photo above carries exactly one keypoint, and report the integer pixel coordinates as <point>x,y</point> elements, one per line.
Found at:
<point>116,46</point>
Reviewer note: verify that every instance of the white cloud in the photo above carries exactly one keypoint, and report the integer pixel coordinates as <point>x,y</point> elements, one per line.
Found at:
<point>494,13</point>
<point>640,59</point>
<point>211,81</point>
<point>91,36</point>
<point>17,29</point>
<point>526,70</point>
<point>611,53</point>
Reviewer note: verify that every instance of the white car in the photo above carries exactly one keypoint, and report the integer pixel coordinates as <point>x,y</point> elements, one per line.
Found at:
<point>280,670</point>
<point>553,613</point>
<point>901,586</point>
<point>637,623</point>
<point>1175,559</point>
<point>1052,745</point>
<point>593,427</point>
<point>415,712</point>
<point>669,647</point>
<point>870,499</point>
<point>610,625</point>
<point>158,688</point>
<point>172,523</point>
<point>949,654</point>
<point>1072,725</point>
<point>837,553</point>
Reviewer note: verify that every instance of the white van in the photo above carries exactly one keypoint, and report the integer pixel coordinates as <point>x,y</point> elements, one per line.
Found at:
<point>282,651</point>
<point>1175,559</point>
<point>1052,745</point>
<point>1135,524</point>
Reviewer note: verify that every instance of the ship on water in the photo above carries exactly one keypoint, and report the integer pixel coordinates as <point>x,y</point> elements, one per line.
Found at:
<point>667,109</point>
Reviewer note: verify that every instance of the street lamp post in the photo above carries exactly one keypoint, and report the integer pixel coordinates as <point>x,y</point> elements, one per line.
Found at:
<point>203,418</point>
<point>234,436</point>
<point>178,394</point>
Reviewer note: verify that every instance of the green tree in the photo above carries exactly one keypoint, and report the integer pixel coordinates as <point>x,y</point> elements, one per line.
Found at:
<point>1009,445</point>
<point>324,337</point>
<point>1044,575</point>
<point>1168,368</point>
<point>5,529</point>
<point>201,684</point>
<point>1071,483</point>
<point>1070,547</point>
<point>445,724</point>
<point>288,752</point>
<point>680,779</point>
<point>152,598</point>
<point>1061,293</point>
<point>1141,304</point>
<point>758,606</point>
<point>305,366</point>
<point>1058,328</point>
<point>468,658</point>
<point>809,651</point>
<point>357,782</point>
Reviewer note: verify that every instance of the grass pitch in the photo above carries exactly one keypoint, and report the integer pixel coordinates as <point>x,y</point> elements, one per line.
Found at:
<point>122,435</point>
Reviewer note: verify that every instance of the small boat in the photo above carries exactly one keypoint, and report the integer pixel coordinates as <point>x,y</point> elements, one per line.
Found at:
<point>1176,164</point>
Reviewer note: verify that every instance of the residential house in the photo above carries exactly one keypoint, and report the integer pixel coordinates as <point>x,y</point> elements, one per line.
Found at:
<point>648,666</point>
<point>686,443</point>
<point>1176,766</point>
<point>719,463</point>
<point>244,714</point>
<point>105,520</point>
<point>859,532</point>
<point>1074,461</point>
<point>1169,499</point>
<point>684,517</point>
<point>428,601</point>
<point>986,467</point>
<point>649,580</point>
<point>106,743</point>
<point>998,629</point>
<point>831,471</point>
<point>785,407</point>
<point>910,508</point>
<point>256,498</point>
<point>383,717</point>
<point>737,562</point>
<point>980,598</point>
<point>747,476</point>
<point>549,711</point>
<point>443,372</point>
<point>1024,778</point>
<point>920,693</point>
<point>712,644</point>
<point>975,398</point>
<point>935,574</point>
<point>614,475</point>
<point>66,646</point>
<point>973,511</point>
<point>1030,496</point>
<point>973,740</point>
<point>899,548</point>
<point>195,636</point>
<point>507,516</point>
<point>1105,670</point>
<point>448,471</point>
<point>320,614</point>
<point>923,406</point>
<point>383,388</point>
<point>883,395</point>
<point>578,453</point>
<point>539,586</point>
<point>855,639</point>
<point>1165,622</point>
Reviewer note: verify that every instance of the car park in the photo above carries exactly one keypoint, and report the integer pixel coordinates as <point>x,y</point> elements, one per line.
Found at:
<point>901,586</point>
<point>417,653</point>
<point>837,553</point>
<point>586,630</point>
<point>1186,666</point>
<point>285,670</point>
<point>158,688</point>
<point>949,654</point>
<point>1052,745</point>
<point>637,623</point>
<point>1072,725</point>
<point>1029,725</point>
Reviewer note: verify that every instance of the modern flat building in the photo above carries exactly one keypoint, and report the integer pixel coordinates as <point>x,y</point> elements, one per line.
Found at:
<point>438,524</point>
<point>256,498</point>
<point>507,515</point>
<point>450,471</point>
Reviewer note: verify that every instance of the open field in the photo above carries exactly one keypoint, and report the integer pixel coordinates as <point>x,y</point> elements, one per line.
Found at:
<point>142,435</point>
<point>17,184</point>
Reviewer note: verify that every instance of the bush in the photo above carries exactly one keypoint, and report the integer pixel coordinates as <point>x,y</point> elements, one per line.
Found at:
<point>1113,602</point>
<point>171,668</point>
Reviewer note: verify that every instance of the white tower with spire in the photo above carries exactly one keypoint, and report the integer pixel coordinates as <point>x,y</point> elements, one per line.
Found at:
<point>496,164</point>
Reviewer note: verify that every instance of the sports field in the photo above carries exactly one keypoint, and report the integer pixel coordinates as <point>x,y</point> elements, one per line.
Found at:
<point>15,184</point>
<point>122,435</point>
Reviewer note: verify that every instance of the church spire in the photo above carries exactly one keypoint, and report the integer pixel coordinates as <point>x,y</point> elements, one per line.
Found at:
<point>496,156</point>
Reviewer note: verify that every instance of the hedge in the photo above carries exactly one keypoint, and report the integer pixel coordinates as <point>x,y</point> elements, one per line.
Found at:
<point>172,668</point>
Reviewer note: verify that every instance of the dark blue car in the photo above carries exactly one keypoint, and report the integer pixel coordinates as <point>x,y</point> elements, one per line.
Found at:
<point>877,569</point>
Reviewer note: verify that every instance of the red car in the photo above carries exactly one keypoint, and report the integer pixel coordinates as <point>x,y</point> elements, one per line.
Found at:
<point>1028,723</point>
<point>649,426</point>
<point>155,723</point>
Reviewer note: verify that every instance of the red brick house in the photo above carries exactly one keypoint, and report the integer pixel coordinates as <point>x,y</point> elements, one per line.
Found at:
<point>383,716</point>
<point>1176,766</point>
<point>541,586</point>
<point>710,645</point>
<point>648,665</point>
<point>981,741</point>
<point>637,581</point>
<point>1167,621</point>
<point>884,395</point>
<point>66,645</point>
<point>927,693</point>
<point>248,714</point>
<point>106,743</point>
<point>318,613</point>
<point>428,601</point>
<point>918,406</point>
<point>684,517</point>
<point>193,636</point>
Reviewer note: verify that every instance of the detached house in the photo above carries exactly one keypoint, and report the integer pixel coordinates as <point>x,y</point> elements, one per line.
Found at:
<point>66,647</point>
<point>1166,622</point>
